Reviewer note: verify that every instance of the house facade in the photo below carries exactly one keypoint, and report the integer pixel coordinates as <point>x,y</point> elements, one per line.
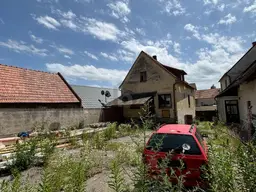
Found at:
<point>163,88</point>
<point>206,106</point>
<point>237,100</point>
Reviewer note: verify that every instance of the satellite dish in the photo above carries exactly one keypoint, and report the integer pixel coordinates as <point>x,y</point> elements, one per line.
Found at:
<point>102,92</point>
<point>107,94</point>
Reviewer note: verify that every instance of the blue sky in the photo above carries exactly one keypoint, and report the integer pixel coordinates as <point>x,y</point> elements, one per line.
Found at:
<point>95,42</point>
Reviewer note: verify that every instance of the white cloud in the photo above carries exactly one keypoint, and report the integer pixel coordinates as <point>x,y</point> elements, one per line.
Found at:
<point>176,47</point>
<point>120,10</point>
<point>22,47</point>
<point>172,7</point>
<point>228,19</point>
<point>62,49</point>
<point>1,21</point>
<point>91,55</point>
<point>66,56</point>
<point>48,22</point>
<point>35,38</point>
<point>206,2</point>
<point>193,29</point>
<point>126,55</point>
<point>69,23</point>
<point>251,8</point>
<point>140,31</point>
<point>88,72</point>
<point>221,7</point>
<point>109,56</point>
<point>101,30</point>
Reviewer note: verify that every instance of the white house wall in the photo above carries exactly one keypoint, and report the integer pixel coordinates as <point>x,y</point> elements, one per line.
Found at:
<point>221,107</point>
<point>247,92</point>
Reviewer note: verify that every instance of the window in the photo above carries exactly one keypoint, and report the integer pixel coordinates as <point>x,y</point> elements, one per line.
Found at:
<point>165,101</point>
<point>168,142</point>
<point>202,103</point>
<point>189,101</point>
<point>143,76</point>
<point>226,83</point>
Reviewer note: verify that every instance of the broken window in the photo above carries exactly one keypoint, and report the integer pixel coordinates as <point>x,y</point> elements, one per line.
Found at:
<point>143,76</point>
<point>165,101</point>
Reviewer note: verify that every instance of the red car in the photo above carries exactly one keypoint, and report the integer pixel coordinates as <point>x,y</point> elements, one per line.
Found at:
<point>188,153</point>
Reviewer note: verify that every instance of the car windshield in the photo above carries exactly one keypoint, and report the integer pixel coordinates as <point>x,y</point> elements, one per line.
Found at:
<point>168,142</point>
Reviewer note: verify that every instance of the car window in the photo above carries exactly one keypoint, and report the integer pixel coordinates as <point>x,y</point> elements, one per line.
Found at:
<point>168,142</point>
<point>199,138</point>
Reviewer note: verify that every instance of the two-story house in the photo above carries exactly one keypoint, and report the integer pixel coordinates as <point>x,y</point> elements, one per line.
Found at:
<point>237,99</point>
<point>162,87</point>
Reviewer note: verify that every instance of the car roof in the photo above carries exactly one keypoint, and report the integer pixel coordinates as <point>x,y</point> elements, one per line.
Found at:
<point>176,129</point>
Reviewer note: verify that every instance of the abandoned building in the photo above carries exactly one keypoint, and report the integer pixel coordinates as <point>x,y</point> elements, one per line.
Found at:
<point>28,97</point>
<point>237,100</point>
<point>162,88</point>
<point>206,106</point>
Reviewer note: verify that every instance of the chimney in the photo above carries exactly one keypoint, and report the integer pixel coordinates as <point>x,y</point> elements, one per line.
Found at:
<point>253,43</point>
<point>155,57</point>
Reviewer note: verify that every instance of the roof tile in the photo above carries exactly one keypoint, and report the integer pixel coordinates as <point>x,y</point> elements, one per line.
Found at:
<point>206,94</point>
<point>18,85</point>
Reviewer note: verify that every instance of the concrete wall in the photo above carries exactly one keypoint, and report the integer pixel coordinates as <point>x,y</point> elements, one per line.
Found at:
<point>221,107</point>
<point>247,92</point>
<point>157,80</point>
<point>14,120</point>
<point>182,93</point>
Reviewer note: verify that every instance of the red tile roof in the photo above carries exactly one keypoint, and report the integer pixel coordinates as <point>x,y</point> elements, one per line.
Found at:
<point>206,94</point>
<point>18,85</point>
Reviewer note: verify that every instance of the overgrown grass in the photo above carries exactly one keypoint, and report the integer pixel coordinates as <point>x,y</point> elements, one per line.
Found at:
<point>231,165</point>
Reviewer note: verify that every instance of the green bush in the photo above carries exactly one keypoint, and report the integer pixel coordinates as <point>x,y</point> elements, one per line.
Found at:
<point>24,155</point>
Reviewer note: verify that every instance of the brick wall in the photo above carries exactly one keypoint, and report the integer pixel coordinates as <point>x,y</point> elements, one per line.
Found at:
<point>14,120</point>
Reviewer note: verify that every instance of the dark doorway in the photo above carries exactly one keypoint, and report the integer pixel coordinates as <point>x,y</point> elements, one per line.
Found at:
<point>232,112</point>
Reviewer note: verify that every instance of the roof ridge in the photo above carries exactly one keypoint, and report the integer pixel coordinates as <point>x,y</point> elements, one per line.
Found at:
<point>12,66</point>
<point>207,89</point>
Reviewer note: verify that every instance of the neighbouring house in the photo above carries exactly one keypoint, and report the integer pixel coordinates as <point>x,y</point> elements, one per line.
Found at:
<point>206,106</point>
<point>162,88</point>
<point>94,100</point>
<point>30,97</point>
<point>237,100</point>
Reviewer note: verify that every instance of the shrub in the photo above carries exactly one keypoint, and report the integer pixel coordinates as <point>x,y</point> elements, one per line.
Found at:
<point>24,155</point>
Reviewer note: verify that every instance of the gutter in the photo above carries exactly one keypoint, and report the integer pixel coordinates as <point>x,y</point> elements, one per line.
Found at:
<point>174,100</point>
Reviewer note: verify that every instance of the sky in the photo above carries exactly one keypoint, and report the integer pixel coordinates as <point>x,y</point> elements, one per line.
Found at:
<point>95,42</point>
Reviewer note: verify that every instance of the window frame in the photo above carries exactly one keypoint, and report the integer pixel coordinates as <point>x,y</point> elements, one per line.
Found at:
<point>165,106</point>
<point>143,76</point>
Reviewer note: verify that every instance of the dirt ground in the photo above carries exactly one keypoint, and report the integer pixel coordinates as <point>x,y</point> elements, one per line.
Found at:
<point>97,183</point>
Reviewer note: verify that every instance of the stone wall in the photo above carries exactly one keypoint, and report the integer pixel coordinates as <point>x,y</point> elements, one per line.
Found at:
<point>14,120</point>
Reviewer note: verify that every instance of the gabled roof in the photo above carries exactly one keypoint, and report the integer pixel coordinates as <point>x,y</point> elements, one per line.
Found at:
<point>206,94</point>
<point>247,75</point>
<point>19,85</point>
<point>172,71</point>
<point>91,95</point>
<point>237,63</point>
